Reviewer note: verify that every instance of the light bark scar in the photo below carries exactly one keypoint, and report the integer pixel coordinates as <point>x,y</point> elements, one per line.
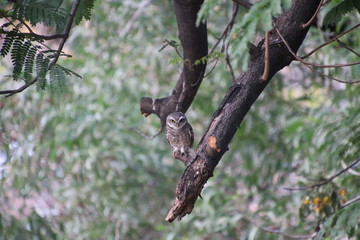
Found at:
<point>212,143</point>
<point>153,104</point>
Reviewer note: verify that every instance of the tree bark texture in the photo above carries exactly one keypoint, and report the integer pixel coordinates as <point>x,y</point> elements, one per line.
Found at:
<point>195,46</point>
<point>237,102</point>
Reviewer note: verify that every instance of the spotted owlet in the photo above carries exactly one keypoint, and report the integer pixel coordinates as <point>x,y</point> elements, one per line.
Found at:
<point>179,133</point>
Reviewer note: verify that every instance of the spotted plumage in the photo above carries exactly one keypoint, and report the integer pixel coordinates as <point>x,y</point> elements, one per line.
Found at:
<point>179,133</point>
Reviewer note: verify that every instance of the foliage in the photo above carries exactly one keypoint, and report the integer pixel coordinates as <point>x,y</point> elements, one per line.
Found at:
<point>27,49</point>
<point>343,223</point>
<point>48,13</point>
<point>75,167</point>
<point>257,20</point>
<point>338,11</point>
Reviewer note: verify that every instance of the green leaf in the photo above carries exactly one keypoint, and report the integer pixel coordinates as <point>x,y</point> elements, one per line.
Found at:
<point>336,13</point>
<point>84,11</point>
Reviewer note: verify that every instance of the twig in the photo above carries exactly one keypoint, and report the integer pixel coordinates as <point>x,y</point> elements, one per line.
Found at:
<point>330,41</point>
<point>331,65</point>
<point>223,35</point>
<point>265,75</point>
<point>134,17</point>
<point>328,180</point>
<point>31,33</point>
<point>307,64</point>
<point>244,3</point>
<point>351,201</point>
<point>34,35</point>
<point>306,25</point>
<point>227,29</point>
<point>207,74</point>
<point>353,172</point>
<point>348,48</point>
<point>228,62</point>
<point>271,230</point>
<point>143,135</point>
<point>61,45</point>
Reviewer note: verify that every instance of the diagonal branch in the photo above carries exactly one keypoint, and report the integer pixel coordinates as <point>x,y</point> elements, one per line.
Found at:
<point>236,104</point>
<point>329,179</point>
<point>65,36</point>
<point>330,41</point>
<point>195,46</point>
<point>307,64</point>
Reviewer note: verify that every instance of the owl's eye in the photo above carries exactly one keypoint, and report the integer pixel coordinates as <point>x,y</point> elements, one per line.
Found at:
<point>182,120</point>
<point>172,121</point>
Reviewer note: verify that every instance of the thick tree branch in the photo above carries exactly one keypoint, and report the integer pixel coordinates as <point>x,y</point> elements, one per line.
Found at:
<point>236,104</point>
<point>195,46</point>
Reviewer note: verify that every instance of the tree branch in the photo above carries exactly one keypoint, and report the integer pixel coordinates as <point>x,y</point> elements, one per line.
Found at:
<point>236,104</point>
<point>244,3</point>
<point>306,25</point>
<point>329,179</point>
<point>195,46</point>
<point>330,41</point>
<point>307,64</point>
<point>34,35</point>
<point>266,62</point>
<point>55,59</point>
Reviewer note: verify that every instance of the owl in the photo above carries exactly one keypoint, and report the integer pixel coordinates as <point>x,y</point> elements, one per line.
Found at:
<point>179,133</point>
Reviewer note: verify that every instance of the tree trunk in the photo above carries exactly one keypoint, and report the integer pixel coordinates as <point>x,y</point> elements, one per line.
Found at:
<point>238,101</point>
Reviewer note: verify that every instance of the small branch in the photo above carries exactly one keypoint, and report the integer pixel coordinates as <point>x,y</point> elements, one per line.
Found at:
<point>265,75</point>
<point>244,3</point>
<point>292,236</point>
<point>330,41</point>
<point>213,67</point>
<point>228,62</point>
<point>351,201</point>
<point>18,90</point>
<point>143,135</point>
<point>227,29</point>
<point>34,35</point>
<point>134,17</point>
<point>328,180</point>
<point>307,63</point>
<point>306,25</point>
<point>59,50</point>
<point>348,48</point>
<point>223,36</point>
<point>353,172</point>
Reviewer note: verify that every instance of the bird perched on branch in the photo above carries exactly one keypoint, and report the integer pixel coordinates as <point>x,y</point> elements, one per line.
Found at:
<point>179,133</point>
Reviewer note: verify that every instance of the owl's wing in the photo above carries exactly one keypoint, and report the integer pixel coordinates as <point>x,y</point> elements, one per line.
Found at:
<point>167,136</point>
<point>191,134</point>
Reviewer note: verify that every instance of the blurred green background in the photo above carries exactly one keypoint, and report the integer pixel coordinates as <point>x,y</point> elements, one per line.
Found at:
<point>74,166</point>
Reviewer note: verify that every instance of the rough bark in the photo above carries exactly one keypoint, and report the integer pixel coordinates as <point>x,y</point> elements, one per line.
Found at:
<point>237,102</point>
<point>195,46</point>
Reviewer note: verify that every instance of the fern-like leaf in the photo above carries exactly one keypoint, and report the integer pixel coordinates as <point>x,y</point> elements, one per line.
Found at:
<point>69,72</point>
<point>29,64</point>
<point>57,78</point>
<point>42,66</point>
<point>8,42</point>
<point>35,11</point>
<point>84,11</point>
<point>18,54</point>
